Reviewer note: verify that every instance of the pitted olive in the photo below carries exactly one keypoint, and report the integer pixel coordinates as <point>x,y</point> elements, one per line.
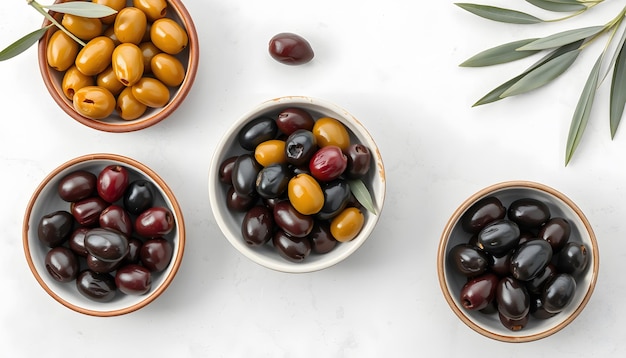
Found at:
<point>73,80</point>
<point>94,102</point>
<point>127,62</point>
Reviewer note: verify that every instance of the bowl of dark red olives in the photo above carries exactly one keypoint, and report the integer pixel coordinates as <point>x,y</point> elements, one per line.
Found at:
<point>103,235</point>
<point>518,261</point>
<point>131,70</point>
<point>297,184</point>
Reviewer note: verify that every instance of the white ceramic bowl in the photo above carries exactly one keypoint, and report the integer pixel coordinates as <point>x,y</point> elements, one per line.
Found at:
<point>451,282</point>
<point>230,223</point>
<point>46,200</point>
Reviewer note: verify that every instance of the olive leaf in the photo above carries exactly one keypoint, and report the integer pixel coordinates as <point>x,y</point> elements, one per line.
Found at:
<point>360,192</point>
<point>618,90</point>
<point>583,109</point>
<point>23,44</point>
<point>500,54</point>
<point>84,9</point>
<point>500,14</point>
<point>562,38</point>
<point>558,6</point>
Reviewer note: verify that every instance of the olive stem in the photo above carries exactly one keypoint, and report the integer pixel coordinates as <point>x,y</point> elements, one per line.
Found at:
<point>42,11</point>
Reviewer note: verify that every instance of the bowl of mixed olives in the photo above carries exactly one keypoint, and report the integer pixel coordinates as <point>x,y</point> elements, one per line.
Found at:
<point>518,261</point>
<point>130,70</point>
<point>297,184</point>
<point>103,235</point>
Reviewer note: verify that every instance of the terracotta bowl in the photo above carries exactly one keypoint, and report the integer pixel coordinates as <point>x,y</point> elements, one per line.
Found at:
<point>53,79</point>
<point>46,200</point>
<point>231,222</point>
<point>489,325</point>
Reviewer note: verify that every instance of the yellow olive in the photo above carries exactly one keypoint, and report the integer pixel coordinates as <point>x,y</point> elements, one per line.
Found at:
<point>127,62</point>
<point>73,80</point>
<point>61,51</point>
<point>305,194</point>
<point>347,225</point>
<point>168,36</point>
<point>110,33</point>
<point>130,25</point>
<point>270,152</point>
<point>329,131</point>
<point>95,57</point>
<point>128,107</point>
<point>108,80</point>
<point>151,92</point>
<point>113,4</point>
<point>154,9</point>
<point>94,102</point>
<point>148,50</point>
<point>84,28</point>
<point>168,69</point>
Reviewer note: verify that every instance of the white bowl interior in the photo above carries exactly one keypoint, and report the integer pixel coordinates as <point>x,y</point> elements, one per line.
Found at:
<point>230,223</point>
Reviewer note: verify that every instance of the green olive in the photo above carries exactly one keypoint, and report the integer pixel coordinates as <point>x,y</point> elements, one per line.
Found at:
<point>154,9</point>
<point>113,4</point>
<point>151,92</point>
<point>94,102</point>
<point>127,62</point>
<point>73,80</point>
<point>168,69</point>
<point>84,28</point>
<point>108,80</point>
<point>128,107</point>
<point>148,50</point>
<point>168,36</point>
<point>61,51</point>
<point>130,25</point>
<point>95,57</point>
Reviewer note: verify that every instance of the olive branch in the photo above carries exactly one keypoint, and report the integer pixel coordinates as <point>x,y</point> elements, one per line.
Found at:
<point>560,51</point>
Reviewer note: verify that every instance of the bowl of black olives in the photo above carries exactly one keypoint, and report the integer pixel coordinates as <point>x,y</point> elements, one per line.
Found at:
<point>297,184</point>
<point>518,261</point>
<point>130,71</point>
<point>103,235</point>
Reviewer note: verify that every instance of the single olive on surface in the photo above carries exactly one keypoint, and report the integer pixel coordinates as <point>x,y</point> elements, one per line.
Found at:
<point>290,49</point>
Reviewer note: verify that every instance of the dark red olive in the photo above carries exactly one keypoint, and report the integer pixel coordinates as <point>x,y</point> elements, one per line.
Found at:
<point>240,203</point>
<point>559,292</point>
<point>133,279</point>
<point>139,196</point>
<point>478,292</point>
<point>300,147</point>
<point>530,259</point>
<point>156,254</point>
<point>469,260</point>
<point>556,232</point>
<point>77,185</point>
<point>272,181</point>
<point>116,218</point>
<point>155,222</point>
<point>499,237</point>
<point>573,258</point>
<point>257,226</point>
<point>134,245</point>
<point>336,197</point>
<point>528,212</point>
<point>62,264</point>
<point>322,241</point>
<point>55,228</point>
<point>294,249</point>
<point>290,49</point>
<point>99,266</point>
<point>106,244</point>
<point>292,119</point>
<point>244,175</point>
<point>291,221</point>
<point>99,287</point>
<point>513,298</point>
<point>256,132</point>
<point>513,324</point>
<point>225,171</point>
<point>112,182</point>
<point>359,159</point>
<point>537,284</point>
<point>77,241</point>
<point>87,211</point>
<point>481,213</point>
<point>328,163</point>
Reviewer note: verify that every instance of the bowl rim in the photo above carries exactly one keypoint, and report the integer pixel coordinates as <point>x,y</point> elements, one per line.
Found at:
<point>441,259</point>
<point>133,125</point>
<point>180,227</point>
<point>214,184</point>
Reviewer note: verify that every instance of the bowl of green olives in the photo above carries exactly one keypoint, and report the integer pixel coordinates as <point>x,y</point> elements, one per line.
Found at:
<point>518,261</point>
<point>297,184</point>
<point>103,235</point>
<point>131,70</point>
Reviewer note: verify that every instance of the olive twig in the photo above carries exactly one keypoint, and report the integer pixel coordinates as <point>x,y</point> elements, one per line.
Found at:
<point>41,10</point>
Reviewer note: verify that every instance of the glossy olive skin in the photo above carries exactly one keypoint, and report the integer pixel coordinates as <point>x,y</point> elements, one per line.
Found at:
<point>77,185</point>
<point>272,181</point>
<point>573,258</point>
<point>291,221</point>
<point>62,264</point>
<point>225,171</point>
<point>151,92</point>
<point>167,69</point>
<point>112,182</point>
<point>156,254</point>
<point>154,9</point>
<point>87,211</point>
<point>168,36</point>
<point>322,241</point>
<point>359,161</point>
<point>116,5</point>
<point>328,163</point>
<point>294,249</point>
<point>61,51</point>
<point>469,260</point>
<point>537,284</point>
<point>537,310</point>
<point>94,102</point>
<point>55,228</point>
<point>513,298</point>
<point>257,131</point>
<point>108,79</point>
<point>498,237</point>
<point>148,51</point>
<point>481,213</point>
<point>513,324</point>
<point>100,266</point>
<point>556,232</point>
<point>479,292</point>
<point>270,152</point>
<point>347,225</point>
<point>84,28</point>
<point>558,292</point>
<point>257,226</point>
<point>99,287</point>
<point>300,147</point>
<point>155,222</point>
<point>117,218</point>
<point>290,120</point>
<point>336,197</point>
<point>528,212</point>
<point>244,175</point>
<point>73,80</point>
<point>290,49</point>
<point>128,107</point>
<point>530,259</point>
<point>501,265</point>
<point>237,202</point>
<point>134,245</point>
<point>106,244</point>
<point>329,131</point>
<point>95,57</point>
<point>305,194</point>
<point>139,196</point>
<point>133,280</point>
<point>127,63</point>
<point>130,25</point>
<point>77,241</point>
